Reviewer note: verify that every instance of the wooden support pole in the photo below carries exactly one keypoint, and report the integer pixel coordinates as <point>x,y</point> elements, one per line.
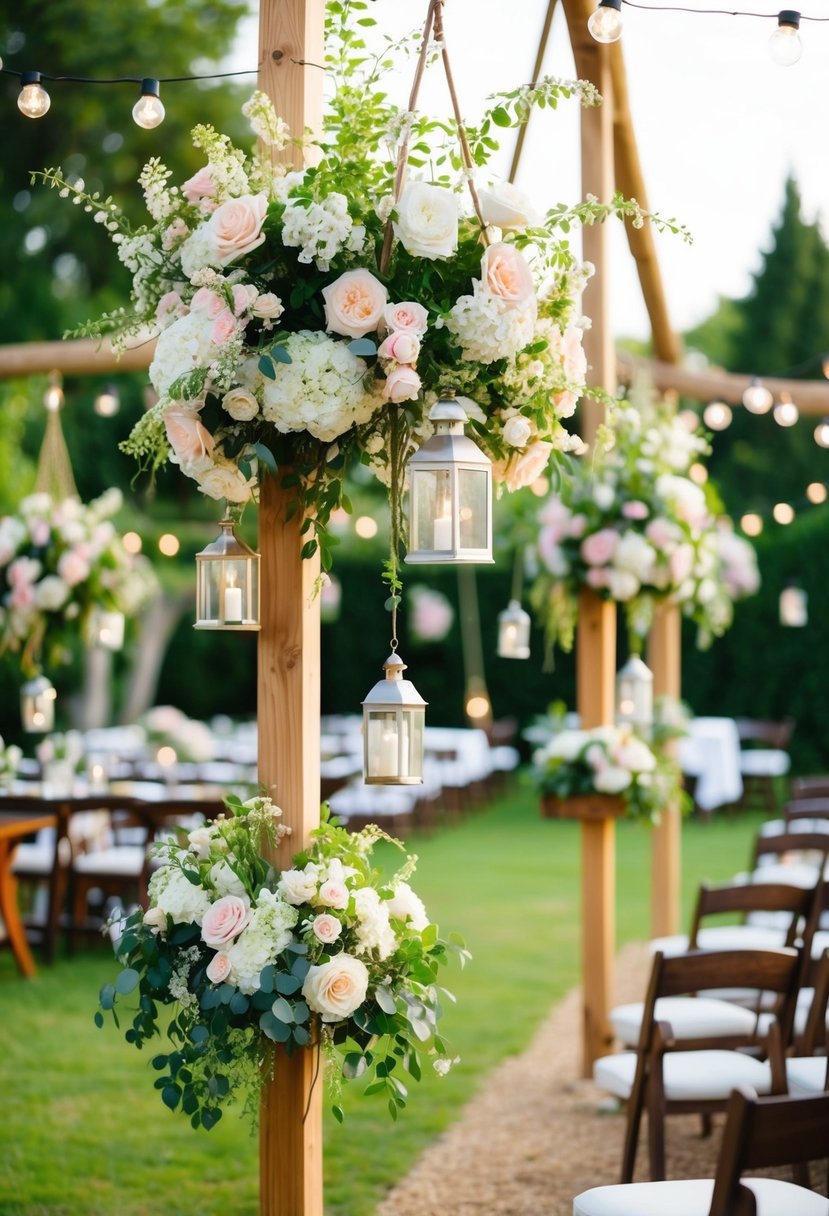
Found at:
<point>595,675</point>
<point>665,661</point>
<point>290,1133</point>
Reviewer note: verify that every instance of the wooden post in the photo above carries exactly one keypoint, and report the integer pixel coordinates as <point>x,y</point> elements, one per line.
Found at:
<point>664,657</point>
<point>595,676</point>
<point>290,1133</point>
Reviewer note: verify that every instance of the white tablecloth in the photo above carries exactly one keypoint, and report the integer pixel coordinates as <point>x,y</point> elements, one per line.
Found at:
<point>711,753</point>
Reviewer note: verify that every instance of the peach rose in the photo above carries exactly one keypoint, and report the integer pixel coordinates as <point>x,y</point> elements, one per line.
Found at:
<point>240,404</point>
<point>598,549</point>
<point>235,228</point>
<point>354,304</point>
<point>155,919</point>
<point>524,467</point>
<point>408,316</point>
<point>207,301</point>
<point>401,345</point>
<point>224,327</point>
<point>326,928</point>
<point>244,295</point>
<point>187,437</point>
<point>218,969</point>
<point>224,920</point>
<point>336,988</point>
<point>268,307</point>
<point>402,384</point>
<point>575,360</point>
<point>506,275</point>
<point>334,894</point>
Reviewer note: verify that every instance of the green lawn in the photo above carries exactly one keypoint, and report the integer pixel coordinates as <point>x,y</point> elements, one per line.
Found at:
<point>83,1133</point>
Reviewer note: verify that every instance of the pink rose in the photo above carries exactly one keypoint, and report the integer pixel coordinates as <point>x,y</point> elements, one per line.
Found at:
<point>334,894</point>
<point>224,920</point>
<point>596,578</point>
<point>22,597</point>
<point>218,969</point>
<point>354,304</point>
<point>187,437</point>
<point>599,548</point>
<point>208,302</point>
<point>170,302</point>
<point>224,327</point>
<point>40,533</point>
<point>681,562</point>
<point>73,567</point>
<point>401,345</point>
<point>326,928</point>
<point>577,527</point>
<point>402,384</point>
<point>635,510</point>
<point>662,533</point>
<point>235,228</point>
<point>244,295</point>
<point>408,316</point>
<point>575,360</point>
<point>174,232</point>
<point>555,516</point>
<point>506,275</point>
<point>524,467</point>
<point>200,185</point>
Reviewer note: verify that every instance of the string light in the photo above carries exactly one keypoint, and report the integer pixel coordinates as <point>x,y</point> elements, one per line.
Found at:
<point>822,433</point>
<point>783,513</point>
<point>605,24</point>
<point>785,46</point>
<point>757,398</point>
<point>33,101</point>
<point>717,415</point>
<point>752,524</point>
<point>786,412</point>
<point>148,111</point>
<point>816,492</point>
<point>107,402</point>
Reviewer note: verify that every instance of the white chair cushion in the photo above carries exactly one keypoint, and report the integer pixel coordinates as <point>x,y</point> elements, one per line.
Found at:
<point>764,762</point>
<point>795,873</point>
<point>37,859</point>
<point>690,1017</point>
<point>126,860</point>
<point>692,1197</point>
<point>687,1074</point>
<point>806,1075</point>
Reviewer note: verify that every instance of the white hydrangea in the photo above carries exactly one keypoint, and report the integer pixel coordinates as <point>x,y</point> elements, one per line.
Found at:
<point>320,391</point>
<point>177,897</point>
<point>374,933</point>
<point>196,251</point>
<point>319,230</point>
<point>406,905</point>
<point>182,347</point>
<point>51,593</point>
<point>487,329</point>
<point>265,937</point>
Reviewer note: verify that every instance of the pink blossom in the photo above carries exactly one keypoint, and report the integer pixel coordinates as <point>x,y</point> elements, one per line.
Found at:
<point>506,275</point>
<point>200,186</point>
<point>40,533</point>
<point>73,567</point>
<point>235,228</point>
<point>596,578</point>
<point>681,563</point>
<point>224,920</point>
<point>598,549</point>
<point>22,597</point>
<point>171,302</point>
<point>661,533</point>
<point>326,928</point>
<point>24,572</point>
<point>575,360</point>
<point>244,295</point>
<point>401,345</point>
<point>402,384</point>
<point>577,527</point>
<point>174,232</point>
<point>406,316</point>
<point>555,517</point>
<point>188,438</point>
<point>207,301</point>
<point>334,894</point>
<point>635,510</point>
<point>219,967</point>
<point>224,327</point>
<point>550,551</point>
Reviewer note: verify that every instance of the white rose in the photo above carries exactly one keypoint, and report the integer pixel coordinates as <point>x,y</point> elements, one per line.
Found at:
<point>612,780</point>
<point>51,593</point>
<point>633,553</point>
<point>517,431</point>
<point>336,988</point>
<point>603,496</point>
<point>155,919</point>
<point>636,756</point>
<point>225,880</point>
<point>505,206</point>
<point>427,221</point>
<point>225,481</point>
<point>621,584</point>
<point>326,928</point>
<point>240,404</point>
<point>297,887</point>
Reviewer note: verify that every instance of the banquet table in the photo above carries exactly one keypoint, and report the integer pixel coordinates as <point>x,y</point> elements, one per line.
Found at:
<point>15,826</point>
<point>710,752</point>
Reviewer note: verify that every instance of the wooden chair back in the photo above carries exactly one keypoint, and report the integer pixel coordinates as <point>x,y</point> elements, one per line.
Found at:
<point>810,787</point>
<point>767,733</point>
<point>745,898</point>
<point>813,1041</point>
<point>762,1133</point>
<point>806,808</point>
<point>790,842</point>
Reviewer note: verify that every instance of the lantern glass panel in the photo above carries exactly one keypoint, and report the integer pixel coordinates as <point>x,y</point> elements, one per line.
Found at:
<point>394,746</point>
<point>37,706</point>
<point>474,508</point>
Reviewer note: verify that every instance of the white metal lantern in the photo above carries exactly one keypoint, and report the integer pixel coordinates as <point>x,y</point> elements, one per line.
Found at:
<point>37,705</point>
<point>514,632</point>
<point>106,629</point>
<point>394,714</point>
<point>227,583</point>
<point>794,607</point>
<point>634,695</point>
<point>450,494</point>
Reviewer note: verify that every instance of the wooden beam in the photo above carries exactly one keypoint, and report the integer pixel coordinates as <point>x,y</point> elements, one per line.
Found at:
<point>538,68</point>
<point>665,660</point>
<point>811,396</point>
<point>77,357</point>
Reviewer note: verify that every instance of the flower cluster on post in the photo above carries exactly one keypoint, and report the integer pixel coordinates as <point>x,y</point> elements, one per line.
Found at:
<point>327,954</point>
<point>59,561</point>
<point>635,527</point>
<point>287,337</point>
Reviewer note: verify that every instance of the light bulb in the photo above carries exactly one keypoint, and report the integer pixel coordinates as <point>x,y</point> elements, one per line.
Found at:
<point>757,398</point>
<point>822,433</point>
<point>53,397</point>
<point>148,111</point>
<point>33,101</point>
<point>107,402</point>
<point>785,46</point>
<point>717,415</point>
<point>786,412</point>
<point>605,24</point>
<point>816,492</point>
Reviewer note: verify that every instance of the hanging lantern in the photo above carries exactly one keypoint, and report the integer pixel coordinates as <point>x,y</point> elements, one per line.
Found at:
<point>227,583</point>
<point>794,606</point>
<point>514,632</point>
<point>394,715</point>
<point>37,705</point>
<point>106,629</point>
<point>450,494</point>
<point>634,695</point>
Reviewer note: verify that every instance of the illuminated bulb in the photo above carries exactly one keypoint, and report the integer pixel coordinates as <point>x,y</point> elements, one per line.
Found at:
<point>168,544</point>
<point>698,473</point>
<point>132,542</point>
<point>785,45</point>
<point>783,513</point>
<point>825,366</point>
<point>717,415</point>
<point>33,101</point>
<point>107,402</point>
<point>822,433</point>
<point>605,24</point>
<point>786,412</point>
<point>53,397</point>
<point>757,398</point>
<point>148,111</point>
<point>478,706</point>
<point>816,492</point>
<point>365,527</point>
<point>751,524</point>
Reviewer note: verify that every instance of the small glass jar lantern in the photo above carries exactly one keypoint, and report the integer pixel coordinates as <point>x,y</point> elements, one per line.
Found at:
<point>227,583</point>
<point>634,695</point>
<point>514,632</point>
<point>394,715</point>
<point>794,607</point>
<point>37,705</point>
<point>450,494</point>
<point>106,629</point>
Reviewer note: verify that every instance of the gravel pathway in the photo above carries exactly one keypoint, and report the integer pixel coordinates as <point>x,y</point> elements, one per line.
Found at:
<point>537,1133</point>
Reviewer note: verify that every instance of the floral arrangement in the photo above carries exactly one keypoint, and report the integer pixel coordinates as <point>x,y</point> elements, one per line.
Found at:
<point>66,747</point>
<point>59,562</point>
<point>430,614</point>
<point>168,726</point>
<point>310,317</point>
<point>609,760</point>
<point>636,528</point>
<point>327,955</point>
<point>10,757</point>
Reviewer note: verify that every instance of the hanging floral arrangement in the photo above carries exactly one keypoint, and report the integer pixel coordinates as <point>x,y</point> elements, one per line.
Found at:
<point>308,318</point>
<point>635,527</point>
<point>326,955</point>
<point>60,563</point>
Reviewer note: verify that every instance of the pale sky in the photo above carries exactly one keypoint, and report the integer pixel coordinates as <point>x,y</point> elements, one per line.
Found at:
<point>718,124</point>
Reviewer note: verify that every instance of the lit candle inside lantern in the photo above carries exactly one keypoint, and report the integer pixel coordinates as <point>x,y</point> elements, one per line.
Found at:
<point>111,630</point>
<point>443,532</point>
<point>387,753</point>
<point>232,602</point>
